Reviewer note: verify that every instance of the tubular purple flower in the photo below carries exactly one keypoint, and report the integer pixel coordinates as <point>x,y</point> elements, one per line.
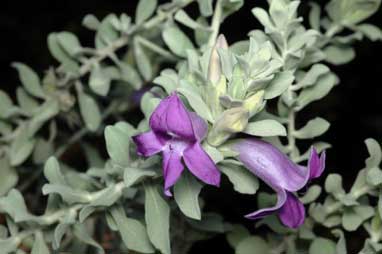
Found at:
<point>282,175</point>
<point>177,133</point>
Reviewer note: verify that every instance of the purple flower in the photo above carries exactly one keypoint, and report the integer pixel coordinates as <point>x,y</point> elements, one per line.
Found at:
<point>177,133</point>
<point>282,175</point>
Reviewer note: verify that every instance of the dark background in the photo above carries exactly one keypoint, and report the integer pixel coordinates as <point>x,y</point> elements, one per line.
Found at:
<point>354,107</point>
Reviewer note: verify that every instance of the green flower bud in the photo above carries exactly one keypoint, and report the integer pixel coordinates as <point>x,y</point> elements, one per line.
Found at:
<point>213,94</point>
<point>232,121</point>
<point>237,87</point>
<point>214,67</point>
<point>254,103</point>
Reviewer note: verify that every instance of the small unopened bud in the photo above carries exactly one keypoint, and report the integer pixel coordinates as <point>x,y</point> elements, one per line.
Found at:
<point>213,93</point>
<point>221,86</point>
<point>232,121</point>
<point>254,103</point>
<point>214,67</point>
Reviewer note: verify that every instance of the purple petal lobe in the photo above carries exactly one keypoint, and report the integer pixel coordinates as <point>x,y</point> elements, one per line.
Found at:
<point>281,198</point>
<point>316,165</point>
<point>199,125</point>
<point>148,143</point>
<point>271,165</point>
<point>201,165</point>
<point>292,213</point>
<point>172,118</point>
<point>172,169</point>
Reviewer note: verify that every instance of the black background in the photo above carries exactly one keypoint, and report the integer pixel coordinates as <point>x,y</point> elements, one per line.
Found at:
<point>354,107</point>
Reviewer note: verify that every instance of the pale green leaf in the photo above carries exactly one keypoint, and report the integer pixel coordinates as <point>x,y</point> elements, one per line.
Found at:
<point>372,32</point>
<point>315,16</point>
<point>39,245</point>
<point>67,193</point>
<point>313,75</point>
<point>252,244</point>
<point>132,176</point>
<point>333,185</point>
<point>375,153</point>
<point>30,80</point>
<point>26,102</point>
<point>265,128</point>
<point>186,193</point>
<point>182,17</point>
<point>80,231</point>
<point>210,222</point>
<point>341,244</point>
<point>318,91</point>
<point>322,246</point>
<point>339,55</point>
<point>157,215</point>
<point>279,12</point>
<point>89,111</point>
<point>143,62</point>
<point>311,195</point>
<point>168,79</point>
<point>349,12</point>
<point>279,84</point>
<point>353,217</point>
<point>374,176</point>
<point>145,10</point>
<point>130,75</point>
<point>68,63</point>
<point>117,144</point>
<point>213,152</point>
<point>237,234</point>
<point>177,41</point>
<point>45,112</point>
<point>242,179</point>
<point>132,231</point>
<point>43,150</point>
<point>21,147</point>
<point>53,173</point>
<point>5,105</point>
<point>91,22</point>
<point>8,176</point>
<point>106,32</point>
<point>205,7</point>
<point>99,81</point>
<point>196,102</point>
<point>312,129</point>
<point>69,43</point>
<point>264,18</point>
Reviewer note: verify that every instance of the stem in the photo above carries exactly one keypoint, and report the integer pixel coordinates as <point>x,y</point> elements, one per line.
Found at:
<point>155,48</point>
<point>57,216</point>
<point>215,25</point>
<point>61,150</point>
<point>103,53</point>
<point>291,130</point>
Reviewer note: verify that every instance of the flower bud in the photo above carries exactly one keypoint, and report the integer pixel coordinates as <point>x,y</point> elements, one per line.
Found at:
<point>254,103</point>
<point>237,87</point>
<point>213,94</point>
<point>232,121</point>
<point>214,67</point>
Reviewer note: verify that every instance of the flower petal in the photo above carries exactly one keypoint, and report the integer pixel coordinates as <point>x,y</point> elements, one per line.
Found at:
<point>200,126</point>
<point>172,169</point>
<point>316,164</point>
<point>201,165</point>
<point>271,165</point>
<point>171,117</point>
<point>292,213</point>
<point>148,143</point>
<point>281,198</point>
